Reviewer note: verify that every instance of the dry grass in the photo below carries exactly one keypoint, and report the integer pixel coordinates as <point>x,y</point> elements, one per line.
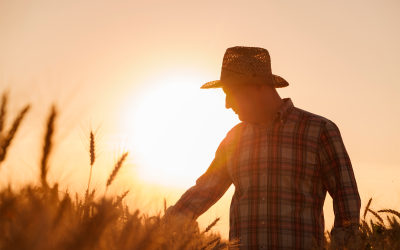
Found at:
<point>35,218</point>
<point>44,217</point>
<point>376,235</point>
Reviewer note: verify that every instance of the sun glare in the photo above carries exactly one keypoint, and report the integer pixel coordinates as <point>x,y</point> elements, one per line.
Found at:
<point>176,128</point>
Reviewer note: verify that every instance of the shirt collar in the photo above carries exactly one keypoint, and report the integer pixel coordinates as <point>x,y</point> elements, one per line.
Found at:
<point>285,110</point>
<point>281,114</point>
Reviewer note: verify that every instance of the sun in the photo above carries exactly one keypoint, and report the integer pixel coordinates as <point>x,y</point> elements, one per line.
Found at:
<point>176,128</point>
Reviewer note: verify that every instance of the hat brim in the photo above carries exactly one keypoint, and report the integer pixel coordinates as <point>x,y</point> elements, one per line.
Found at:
<point>278,82</point>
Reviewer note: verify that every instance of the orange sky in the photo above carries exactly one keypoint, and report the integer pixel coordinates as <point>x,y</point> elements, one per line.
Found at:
<point>134,68</point>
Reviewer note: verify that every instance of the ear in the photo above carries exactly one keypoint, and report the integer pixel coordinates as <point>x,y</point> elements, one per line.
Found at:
<point>260,86</point>
<point>266,86</point>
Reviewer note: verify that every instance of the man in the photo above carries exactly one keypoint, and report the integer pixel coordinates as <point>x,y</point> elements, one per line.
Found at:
<point>281,159</point>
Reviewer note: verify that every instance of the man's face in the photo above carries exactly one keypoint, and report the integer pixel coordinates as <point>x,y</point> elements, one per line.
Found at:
<point>243,100</point>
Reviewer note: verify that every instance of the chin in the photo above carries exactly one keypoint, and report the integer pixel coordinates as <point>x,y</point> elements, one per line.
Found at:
<point>242,118</point>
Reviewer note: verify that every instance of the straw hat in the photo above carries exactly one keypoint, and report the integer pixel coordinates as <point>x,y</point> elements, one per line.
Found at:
<point>246,65</point>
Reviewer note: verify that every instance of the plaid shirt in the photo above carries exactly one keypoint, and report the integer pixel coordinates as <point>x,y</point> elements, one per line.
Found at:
<point>281,175</point>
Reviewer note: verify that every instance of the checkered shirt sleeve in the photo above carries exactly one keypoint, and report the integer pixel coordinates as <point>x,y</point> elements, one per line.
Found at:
<point>209,188</point>
<point>338,178</point>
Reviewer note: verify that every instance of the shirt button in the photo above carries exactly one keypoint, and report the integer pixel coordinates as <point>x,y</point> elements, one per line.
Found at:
<point>263,198</point>
<point>262,222</point>
<point>265,151</point>
<point>263,247</point>
<point>263,174</point>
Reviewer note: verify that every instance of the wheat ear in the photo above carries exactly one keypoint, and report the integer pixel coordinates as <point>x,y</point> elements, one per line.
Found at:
<point>390,211</point>
<point>7,139</point>
<point>211,225</point>
<point>47,146</point>
<point>390,221</point>
<point>367,207</point>
<point>120,198</point>
<point>211,242</point>
<point>366,227</point>
<point>377,216</point>
<point>3,110</point>
<point>117,167</point>
<point>92,154</point>
<point>220,246</point>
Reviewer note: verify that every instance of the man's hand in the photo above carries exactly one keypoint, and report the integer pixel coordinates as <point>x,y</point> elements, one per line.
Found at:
<point>179,220</point>
<point>343,235</point>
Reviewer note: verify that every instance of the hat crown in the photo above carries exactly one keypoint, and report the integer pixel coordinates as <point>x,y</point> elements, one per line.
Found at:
<point>246,60</point>
<point>240,52</point>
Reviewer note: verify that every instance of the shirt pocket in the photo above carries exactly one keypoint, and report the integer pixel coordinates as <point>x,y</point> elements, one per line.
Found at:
<point>299,168</point>
<point>239,168</point>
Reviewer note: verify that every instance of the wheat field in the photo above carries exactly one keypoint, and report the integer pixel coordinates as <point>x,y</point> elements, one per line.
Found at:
<point>44,217</point>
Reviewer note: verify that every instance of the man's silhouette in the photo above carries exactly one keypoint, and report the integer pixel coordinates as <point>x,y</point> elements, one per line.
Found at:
<point>281,159</point>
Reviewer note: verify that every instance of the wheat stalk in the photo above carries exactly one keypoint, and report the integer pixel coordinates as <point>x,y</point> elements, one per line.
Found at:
<point>390,211</point>
<point>390,221</point>
<point>76,200</point>
<point>117,167</point>
<point>211,225</point>
<point>92,154</point>
<point>372,225</point>
<point>377,216</point>
<point>367,207</point>
<point>188,237</point>
<point>366,227</point>
<point>210,243</point>
<point>3,110</point>
<point>120,198</point>
<point>220,246</point>
<point>7,139</point>
<point>86,195</point>
<point>92,148</point>
<point>47,146</point>
<point>61,209</point>
<point>89,196</point>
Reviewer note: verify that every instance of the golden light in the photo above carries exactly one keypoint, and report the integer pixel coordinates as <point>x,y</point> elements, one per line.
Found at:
<point>175,128</point>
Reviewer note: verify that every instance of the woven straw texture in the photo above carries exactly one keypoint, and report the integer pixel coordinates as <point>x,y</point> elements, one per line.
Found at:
<point>246,65</point>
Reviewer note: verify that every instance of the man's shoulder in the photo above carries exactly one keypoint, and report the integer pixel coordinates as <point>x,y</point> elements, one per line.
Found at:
<point>301,115</point>
<point>232,136</point>
<point>235,129</point>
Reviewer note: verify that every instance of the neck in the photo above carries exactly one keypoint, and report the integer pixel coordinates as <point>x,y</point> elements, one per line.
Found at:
<point>268,107</point>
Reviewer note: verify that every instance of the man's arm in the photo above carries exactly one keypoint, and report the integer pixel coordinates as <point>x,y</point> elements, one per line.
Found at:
<point>339,180</point>
<point>208,190</point>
